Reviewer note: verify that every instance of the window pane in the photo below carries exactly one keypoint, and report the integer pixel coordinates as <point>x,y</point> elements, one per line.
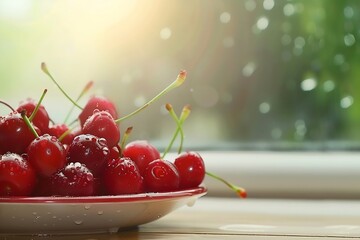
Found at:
<point>261,73</point>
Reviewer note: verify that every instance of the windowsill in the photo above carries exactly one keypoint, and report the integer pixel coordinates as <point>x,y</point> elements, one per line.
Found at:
<point>278,174</point>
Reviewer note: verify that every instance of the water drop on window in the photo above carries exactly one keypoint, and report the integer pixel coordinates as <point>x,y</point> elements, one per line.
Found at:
<point>346,102</point>
<point>250,5</point>
<point>328,85</point>
<point>165,33</point>
<point>264,107</point>
<point>308,84</point>
<point>268,4</point>
<point>249,69</point>
<point>348,12</point>
<point>139,101</point>
<point>349,40</point>
<point>225,17</point>
<point>289,9</point>
<point>262,23</point>
<point>299,42</point>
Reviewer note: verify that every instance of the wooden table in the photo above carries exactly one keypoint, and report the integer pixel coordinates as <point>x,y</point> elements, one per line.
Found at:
<point>255,219</point>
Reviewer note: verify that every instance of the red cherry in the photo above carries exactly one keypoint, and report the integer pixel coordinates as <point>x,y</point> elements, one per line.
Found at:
<point>142,153</point>
<point>99,103</point>
<point>47,155</point>
<point>114,152</point>
<point>191,169</point>
<point>41,119</point>
<point>58,129</point>
<point>73,180</point>
<point>43,187</point>
<point>161,176</point>
<point>121,176</point>
<point>102,124</point>
<point>89,150</point>
<point>15,135</point>
<point>17,177</point>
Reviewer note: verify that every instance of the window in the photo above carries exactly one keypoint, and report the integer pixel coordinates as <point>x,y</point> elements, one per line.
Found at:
<point>262,74</point>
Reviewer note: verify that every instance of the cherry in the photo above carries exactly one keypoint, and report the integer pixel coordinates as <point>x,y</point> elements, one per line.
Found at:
<point>99,103</point>
<point>115,152</point>
<point>191,169</point>
<point>161,176</point>
<point>102,124</point>
<point>191,163</point>
<point>41,118</point>
<point>43,187</point>
<point>58,130</point>
<point>73,180</point>
<point>141,152</point>
<point>17,177</point>
<point>47,155</point>
<point>15,135</point>
<point>121,176</point>
<point>89,150</point>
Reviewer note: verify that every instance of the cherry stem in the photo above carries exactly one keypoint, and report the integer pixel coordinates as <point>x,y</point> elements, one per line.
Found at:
<point>241,192</point>
<point>46,71</point>
<point>179,121</point>
<point>178,81</point>
<point>28,123</point>
<point>8,105</point>
<point>125,138</point>
<point>87,87</point>
<point>33,114</point>
<point>62,136</point>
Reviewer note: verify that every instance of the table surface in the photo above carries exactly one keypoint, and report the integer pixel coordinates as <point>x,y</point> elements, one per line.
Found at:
<point>232,218</point>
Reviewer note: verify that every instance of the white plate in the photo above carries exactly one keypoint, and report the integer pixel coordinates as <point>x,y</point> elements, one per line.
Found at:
<point>65,215</point>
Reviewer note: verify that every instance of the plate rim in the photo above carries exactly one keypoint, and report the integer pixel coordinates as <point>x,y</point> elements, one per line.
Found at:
<point>124,198</point>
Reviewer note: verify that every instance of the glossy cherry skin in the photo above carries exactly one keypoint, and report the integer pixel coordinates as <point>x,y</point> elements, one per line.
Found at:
<point>17,177</point>
<point>47,155</point>
<point>15,135</point>
<point>141,152</point>
<point>89,150</point>
<point>121,176</point>
<point>102,124</point>
<point>115,152</point>
<point>161,176</point>
<point>57,130</point>
<point>41,119</point>
<point>191,168</point>
<point>73,180</point>
<point>99,103</point>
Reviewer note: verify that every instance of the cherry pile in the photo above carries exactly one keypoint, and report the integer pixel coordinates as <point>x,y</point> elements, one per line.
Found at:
<point>41,158</point>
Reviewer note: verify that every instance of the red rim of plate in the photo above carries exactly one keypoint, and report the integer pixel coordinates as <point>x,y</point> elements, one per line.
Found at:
<point>198,191</point>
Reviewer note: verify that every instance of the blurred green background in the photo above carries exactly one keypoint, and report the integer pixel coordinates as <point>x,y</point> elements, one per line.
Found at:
<point>262,74</point>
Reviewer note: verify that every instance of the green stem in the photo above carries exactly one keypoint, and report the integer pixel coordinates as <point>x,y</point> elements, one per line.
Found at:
<point>179,121</point>
<point>28,123</point>
<point>8,105</point>
<point>85,90</point>
<point>125,138</point>
<point>179,80</point>
<point>46,71</point>
<point>62,136</point>
<point>239,191</point>
<point>33,114</point>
